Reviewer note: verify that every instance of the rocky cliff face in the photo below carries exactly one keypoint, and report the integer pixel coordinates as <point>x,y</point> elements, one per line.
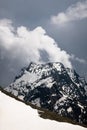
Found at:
<point>53,87</point>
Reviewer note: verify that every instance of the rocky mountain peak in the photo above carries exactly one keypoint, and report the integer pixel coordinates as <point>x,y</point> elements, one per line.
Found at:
<point>53,87</point>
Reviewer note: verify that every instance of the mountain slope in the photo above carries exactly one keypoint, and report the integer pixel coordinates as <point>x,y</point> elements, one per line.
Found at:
<point>15,115</point>
<point>53,87</point>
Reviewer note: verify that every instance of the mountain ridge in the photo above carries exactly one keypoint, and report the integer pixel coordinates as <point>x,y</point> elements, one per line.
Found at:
<point>16,115</point>
<point>53,87</point>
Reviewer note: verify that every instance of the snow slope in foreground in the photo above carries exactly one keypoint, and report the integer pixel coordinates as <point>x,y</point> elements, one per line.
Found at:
<point>15,115</point>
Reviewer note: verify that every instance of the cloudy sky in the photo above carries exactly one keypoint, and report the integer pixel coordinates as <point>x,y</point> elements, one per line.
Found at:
<point>41,31</point>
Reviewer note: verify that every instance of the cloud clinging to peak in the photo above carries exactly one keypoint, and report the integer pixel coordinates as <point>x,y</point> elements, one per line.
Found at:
<point>25,45</point>
<point>20,45</point>
<point>74,12</point>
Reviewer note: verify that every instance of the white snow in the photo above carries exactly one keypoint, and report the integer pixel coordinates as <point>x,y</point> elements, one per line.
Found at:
<point>21,97</point>
<point>80,106</point>
<point>36,102</point>
<point>27,77</point>
<point>69,109</point>
<point>48,82</point>
<point>56,107</point>
<point>15,92</point>
<point>61,99</point>
<point>49,101</point>
<point>15,115</point>
<point>72,76</point>
<point>70,72</point>
<point>85,89</point>
<point>53,94</point>
<point>57,66</point>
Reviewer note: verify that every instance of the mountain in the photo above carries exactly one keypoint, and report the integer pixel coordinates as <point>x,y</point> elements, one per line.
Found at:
<point>15,115</point>
<point>52,87</point>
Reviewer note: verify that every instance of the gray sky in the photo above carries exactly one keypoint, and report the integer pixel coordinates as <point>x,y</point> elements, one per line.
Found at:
<point>65,21</point>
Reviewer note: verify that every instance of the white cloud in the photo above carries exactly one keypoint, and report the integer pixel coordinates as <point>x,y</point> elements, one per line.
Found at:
<point>25,45</point>
<point>75,12</point>
<point>80,60</point>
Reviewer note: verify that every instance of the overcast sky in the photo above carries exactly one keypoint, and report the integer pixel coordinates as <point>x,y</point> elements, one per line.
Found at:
<point>41,31</point>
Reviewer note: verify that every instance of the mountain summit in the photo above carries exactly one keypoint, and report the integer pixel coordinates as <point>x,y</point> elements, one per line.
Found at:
<point>53,87</point>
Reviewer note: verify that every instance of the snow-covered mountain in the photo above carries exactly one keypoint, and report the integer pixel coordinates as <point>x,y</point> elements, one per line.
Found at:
<point>53,87</point>
<point>15,115</point>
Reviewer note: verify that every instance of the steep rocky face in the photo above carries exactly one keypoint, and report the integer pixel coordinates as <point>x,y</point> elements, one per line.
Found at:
<point>53,87</point>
